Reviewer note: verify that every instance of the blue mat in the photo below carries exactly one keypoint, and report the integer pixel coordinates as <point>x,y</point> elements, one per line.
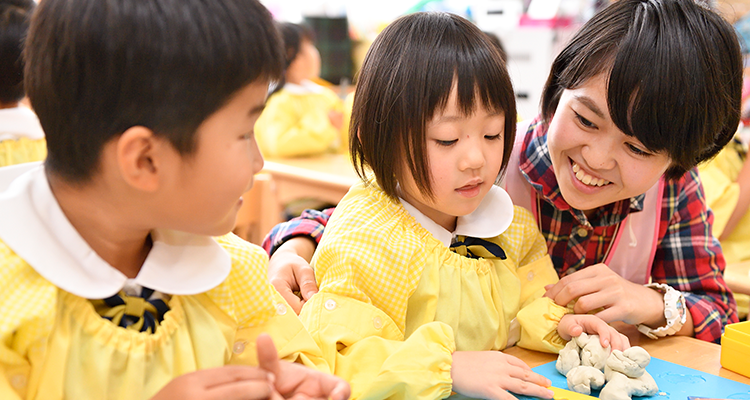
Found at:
<point>675,382</point>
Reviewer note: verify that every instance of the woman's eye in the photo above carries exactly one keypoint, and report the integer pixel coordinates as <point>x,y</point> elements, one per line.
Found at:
<point>584,121</point>
<point>637,151</point>
<point>492,137</point>
<point>447,143</point>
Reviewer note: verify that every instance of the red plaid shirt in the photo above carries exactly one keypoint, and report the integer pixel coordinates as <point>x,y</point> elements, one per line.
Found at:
<point>688,256</point>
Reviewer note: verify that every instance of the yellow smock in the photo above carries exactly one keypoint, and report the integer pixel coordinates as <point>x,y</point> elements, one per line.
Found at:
<point>296,122</point>
<point>395,302</point>
<point>719,178</point>
<point>23,150</point>
<point>55,346</point>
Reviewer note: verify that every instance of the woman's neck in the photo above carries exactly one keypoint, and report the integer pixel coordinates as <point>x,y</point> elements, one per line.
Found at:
<point>4,106</point>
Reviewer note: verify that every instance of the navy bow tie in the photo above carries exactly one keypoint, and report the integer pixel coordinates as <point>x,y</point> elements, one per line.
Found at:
<point>473,247</point>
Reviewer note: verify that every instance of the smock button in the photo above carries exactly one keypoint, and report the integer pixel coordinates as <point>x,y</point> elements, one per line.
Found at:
<point>330,304</point>
<point>238,347</point>
<point>18,381</point>
<point>530,275</point>
<point>377,322</point>
<point>281,309</point>
<point>582,232</point>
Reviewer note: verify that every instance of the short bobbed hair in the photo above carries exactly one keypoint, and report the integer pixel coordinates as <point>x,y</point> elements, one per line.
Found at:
<point>14,24</point>
<point>406,78</point>
<point>674,76</point>
<point>95,68</point>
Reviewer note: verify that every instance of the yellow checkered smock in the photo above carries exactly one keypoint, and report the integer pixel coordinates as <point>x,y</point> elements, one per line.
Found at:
<point>297,124</point>
<point>23,150</point>
<point>55,346</point>
<point>395,302</point>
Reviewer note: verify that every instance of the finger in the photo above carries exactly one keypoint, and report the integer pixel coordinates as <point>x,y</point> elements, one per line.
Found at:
<point>335,387</point>
<point>306,280</point>
<point>341,391</point>
<point>214,377</point>
<point>619,341</point>
<point>610,314</point>
<point>528,389</point>
<point>530,376</point>
<point>290,297</point>
<point>242,390</point>
<point>517,362</point>
<point>596,298</point>
<point>574,289</point>
<point>500,394</point>
<point>268,358</point>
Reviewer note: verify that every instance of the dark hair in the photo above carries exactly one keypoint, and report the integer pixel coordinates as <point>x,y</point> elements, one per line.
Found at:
<point>407,77</point>
<point>14,24</point>
<point>494,39</point>
<point>98,67</point>
<point>675,75</point>
<point>292,35</point>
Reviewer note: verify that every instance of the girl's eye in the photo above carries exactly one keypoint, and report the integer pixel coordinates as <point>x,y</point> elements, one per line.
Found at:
<point>584,121</point>
<point>637,151</point>
<point>492,137</point>
<point>447,143</point>
<point>247,136</point>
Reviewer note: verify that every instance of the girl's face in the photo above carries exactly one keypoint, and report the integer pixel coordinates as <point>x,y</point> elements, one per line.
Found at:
<point>465,154</point>
<point>306,65</point>
<point>595,162</point>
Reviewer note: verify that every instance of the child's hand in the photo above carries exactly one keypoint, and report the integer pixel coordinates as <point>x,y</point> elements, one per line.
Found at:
<point>572,325</point>
<point>289,271</point>
<point>222,383</point>
<point>296,380</point>
<point>336,118</point>
<point>491,374</point>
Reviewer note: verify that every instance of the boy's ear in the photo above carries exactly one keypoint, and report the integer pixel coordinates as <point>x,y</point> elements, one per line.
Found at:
<point>137,158</point>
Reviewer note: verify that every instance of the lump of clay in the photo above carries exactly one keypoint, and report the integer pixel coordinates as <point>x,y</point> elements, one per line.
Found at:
<point>568,358</point>
<point>631,362</point>
<point>583,378</point>
<point>621,387</point>
<point>626,375</point>
<point>593,354</point>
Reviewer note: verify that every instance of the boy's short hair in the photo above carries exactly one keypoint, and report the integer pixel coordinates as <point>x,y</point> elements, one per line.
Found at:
<point>675,75</point>
<point>14,24</point>
<point>95,68</point>
<point>407,77</point>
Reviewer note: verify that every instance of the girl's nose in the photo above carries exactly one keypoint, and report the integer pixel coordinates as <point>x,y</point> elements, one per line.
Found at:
<point>599,155</point>
<point>473,158</point>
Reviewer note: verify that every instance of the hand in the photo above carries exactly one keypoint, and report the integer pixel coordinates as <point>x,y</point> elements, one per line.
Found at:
<point>491,374</point>
<point>289,271</point>
<point>222,383</point>
<point>598,287</point>
<point>297,381</point>
<point>336,118</point>
<point>572,325</point>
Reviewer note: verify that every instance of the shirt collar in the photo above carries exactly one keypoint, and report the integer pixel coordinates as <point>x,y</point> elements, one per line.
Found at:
<point>19,122</point>
<point>36,229</point>
<point>536,166</point>
<point>305,87</point>
<point>493,216</point>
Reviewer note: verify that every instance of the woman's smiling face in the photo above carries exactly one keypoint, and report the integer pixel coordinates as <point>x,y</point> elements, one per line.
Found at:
<point>594,161</point>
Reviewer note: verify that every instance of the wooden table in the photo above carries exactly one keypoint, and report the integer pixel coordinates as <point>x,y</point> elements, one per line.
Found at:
<point>682,350</point>
<point>327,178</point>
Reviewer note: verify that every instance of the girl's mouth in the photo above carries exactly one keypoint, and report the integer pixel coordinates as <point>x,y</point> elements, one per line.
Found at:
<point>585,178</point>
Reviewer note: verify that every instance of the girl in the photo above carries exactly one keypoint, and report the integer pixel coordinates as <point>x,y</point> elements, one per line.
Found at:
<point>643,92</point>
<point>426,266</point>
<point>301,118</point>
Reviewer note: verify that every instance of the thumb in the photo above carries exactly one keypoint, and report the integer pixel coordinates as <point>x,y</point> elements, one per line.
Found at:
<point>268,358</point>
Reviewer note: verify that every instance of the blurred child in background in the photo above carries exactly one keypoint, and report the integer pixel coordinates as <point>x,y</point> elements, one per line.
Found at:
<point>21,136</point>
<point>301,118</point>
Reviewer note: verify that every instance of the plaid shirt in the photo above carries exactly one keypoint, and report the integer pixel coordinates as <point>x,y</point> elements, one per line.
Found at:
<point>687,258</point>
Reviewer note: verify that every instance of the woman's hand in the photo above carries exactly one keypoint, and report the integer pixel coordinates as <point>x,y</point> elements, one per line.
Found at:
<point>599,288</point>
<point>491,374</point>
<point>289,271</point>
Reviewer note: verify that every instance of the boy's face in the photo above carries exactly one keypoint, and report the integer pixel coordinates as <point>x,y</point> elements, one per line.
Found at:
<point>209,184</point>
<point>465,156</point>
<point>306,64</point>
<point>594,161</point>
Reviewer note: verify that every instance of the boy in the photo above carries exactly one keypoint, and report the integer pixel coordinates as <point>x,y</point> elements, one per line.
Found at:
<point>113,286</point>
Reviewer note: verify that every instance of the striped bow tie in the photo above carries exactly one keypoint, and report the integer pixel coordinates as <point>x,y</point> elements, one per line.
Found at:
<point>472,247</point>
<point>133,312</point>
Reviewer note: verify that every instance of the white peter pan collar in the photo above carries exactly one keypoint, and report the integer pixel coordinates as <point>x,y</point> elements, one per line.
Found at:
<point>304,87</point>
<point>493,216</point>
<point>36,229</point>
